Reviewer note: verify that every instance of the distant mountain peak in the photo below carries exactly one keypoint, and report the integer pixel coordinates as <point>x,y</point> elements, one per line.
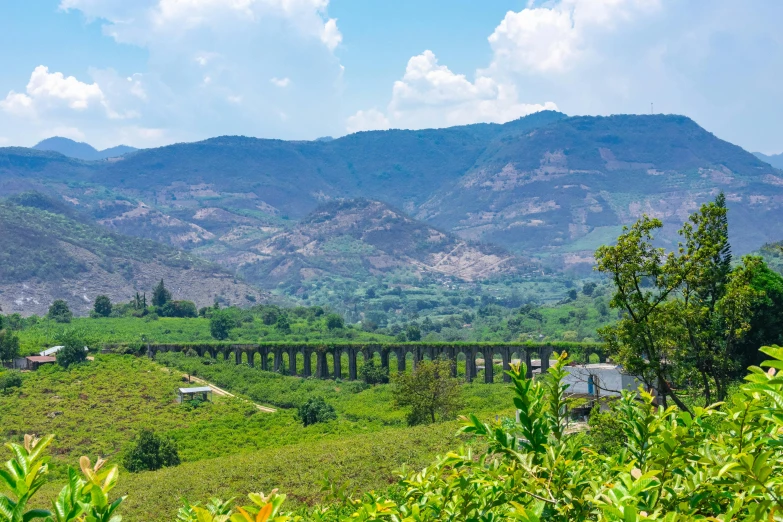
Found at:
<point>81,150</point>
<point>776,160</point>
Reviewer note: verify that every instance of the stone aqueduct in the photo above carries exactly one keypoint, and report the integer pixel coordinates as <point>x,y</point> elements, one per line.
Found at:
<point>271,357</point>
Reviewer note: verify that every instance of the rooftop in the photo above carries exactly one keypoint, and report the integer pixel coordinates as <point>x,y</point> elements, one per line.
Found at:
<point>201,389</point>
<point>41,358</point>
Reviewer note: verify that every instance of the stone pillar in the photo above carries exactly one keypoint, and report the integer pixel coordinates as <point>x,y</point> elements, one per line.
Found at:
<point>489,369</point>
<point>338,370</point>
<point>307,370</point>
<point>416,357</point>
<point>402,354</point>
<point>292,360</point>
<point>251,356</point>
<point>352,364</point>
<point>452,355</point>
<point>264,352</point>
<point>470,365</point>
<point>323,367</point>
<point>506,364</point>
<point>385,358</point>
<point>278,360</point>
<point>529,364</point>
<point>545,353</point>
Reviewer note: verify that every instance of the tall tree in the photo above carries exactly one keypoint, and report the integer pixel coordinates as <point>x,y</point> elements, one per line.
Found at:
<point>59,312</point>
<point>644,277</point>
<point>429,390</point>
<point>160,295</point>
<point>9,346</point>
<point>102,306</point>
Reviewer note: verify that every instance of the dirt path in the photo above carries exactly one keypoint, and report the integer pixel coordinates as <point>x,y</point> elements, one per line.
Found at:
<point>221,391</point>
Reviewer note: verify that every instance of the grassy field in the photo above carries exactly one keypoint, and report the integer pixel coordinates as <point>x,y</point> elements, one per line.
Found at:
<point>228,447</point>
<point>173,330</point>
<point>365,461</point>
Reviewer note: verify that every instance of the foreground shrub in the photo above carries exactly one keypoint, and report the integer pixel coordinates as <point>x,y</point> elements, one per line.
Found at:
<point>316,410</point>
<point>83,499</point>
<point>150,452</point>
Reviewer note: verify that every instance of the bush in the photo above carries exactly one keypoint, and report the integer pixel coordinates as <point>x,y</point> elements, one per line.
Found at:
<point>374,374</point>
<point>178,309</point>
<point>59,312</point>
<point>316,410</point>
<point>10,380</point>
<point>606,431</point>
<point>150,452</point>
<point>334,322</point>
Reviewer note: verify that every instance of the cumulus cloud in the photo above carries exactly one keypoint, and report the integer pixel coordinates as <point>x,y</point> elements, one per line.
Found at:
<point>553,39</point>
<point>431,95</point>
<point>52,89</point>
<point>205,74</point>
<point>371,119</point>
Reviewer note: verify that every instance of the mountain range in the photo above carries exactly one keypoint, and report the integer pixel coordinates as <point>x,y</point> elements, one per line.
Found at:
<point>470,201</point>
<point>776,160</point>
<point>79,150</point>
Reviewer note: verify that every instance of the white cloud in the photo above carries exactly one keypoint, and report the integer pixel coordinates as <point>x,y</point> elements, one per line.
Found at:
<point>143,22</point>
<point>51,90</point>
<point>331,36</point>
<point>555,38</point>
<point>371,119</point>
<point>431,95</point>
<point>281,82</point>
<point>206,69</point>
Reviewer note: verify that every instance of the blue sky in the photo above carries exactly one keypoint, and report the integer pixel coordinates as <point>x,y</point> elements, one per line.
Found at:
<point>152,72</point>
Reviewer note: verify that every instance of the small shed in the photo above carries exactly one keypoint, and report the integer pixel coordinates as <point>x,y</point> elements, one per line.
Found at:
<point>34,361</point>
<point>188,394</point>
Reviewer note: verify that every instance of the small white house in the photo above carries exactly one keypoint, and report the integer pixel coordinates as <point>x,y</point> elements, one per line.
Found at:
<point>599,380</point>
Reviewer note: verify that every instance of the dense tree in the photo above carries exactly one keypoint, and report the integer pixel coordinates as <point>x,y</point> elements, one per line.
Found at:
<point>413,332</point>
<point>429,391</point>
<point>315,410</point>
<point>72,351</point>
<point>334,322</point>
<point>9,346</point>
<point>766,317</point>
<point>588,288</point>
<point>282,324</point>
<point>59,312</point>
<point>150,452</point>
<point>102,306</point>
<point>160,295</point>
<point>220,325</point>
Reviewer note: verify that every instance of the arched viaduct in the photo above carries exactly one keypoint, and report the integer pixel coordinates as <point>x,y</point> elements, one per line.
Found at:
<point>276,357</point>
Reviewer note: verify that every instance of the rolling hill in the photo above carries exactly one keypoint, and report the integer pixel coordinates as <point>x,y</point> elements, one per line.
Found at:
<point>79,150</point>
<point>358,238</point>
<point>52,252</point>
